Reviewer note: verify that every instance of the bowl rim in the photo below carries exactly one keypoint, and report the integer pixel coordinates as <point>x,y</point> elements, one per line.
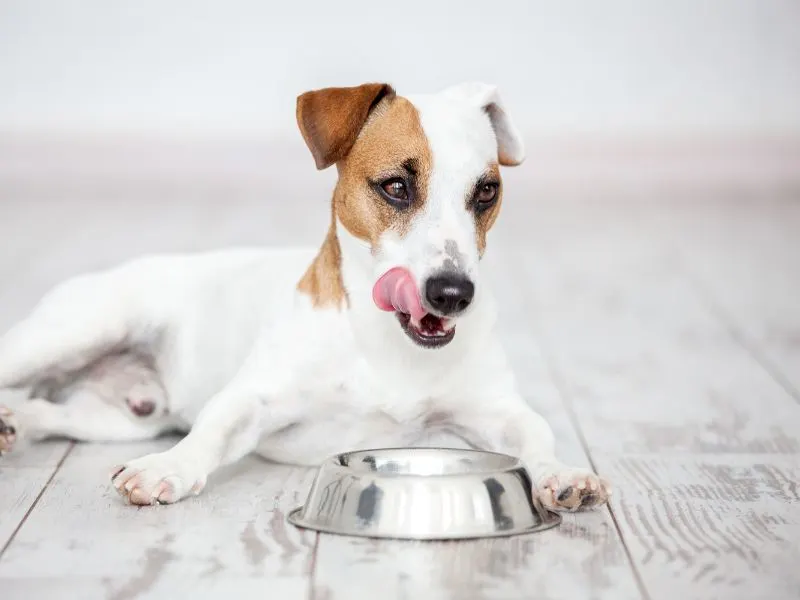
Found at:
<point>515,463</point>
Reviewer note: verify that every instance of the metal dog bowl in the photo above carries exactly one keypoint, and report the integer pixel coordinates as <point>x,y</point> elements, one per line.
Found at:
<point>422,494</point>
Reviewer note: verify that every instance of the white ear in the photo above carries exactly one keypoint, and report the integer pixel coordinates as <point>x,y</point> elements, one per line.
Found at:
<point>510,148</point>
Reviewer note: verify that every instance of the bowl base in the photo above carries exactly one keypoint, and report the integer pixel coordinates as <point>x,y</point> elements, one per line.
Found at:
<point>551,520</point>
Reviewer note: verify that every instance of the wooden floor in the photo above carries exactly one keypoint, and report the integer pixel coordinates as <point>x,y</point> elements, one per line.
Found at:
<point>658,332</point>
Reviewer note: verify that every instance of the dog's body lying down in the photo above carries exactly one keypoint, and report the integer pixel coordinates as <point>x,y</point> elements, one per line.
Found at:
<point>382,334</point>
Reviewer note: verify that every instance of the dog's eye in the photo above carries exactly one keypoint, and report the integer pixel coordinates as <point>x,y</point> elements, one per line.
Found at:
<point>486,193</point>
<point>395,189</point>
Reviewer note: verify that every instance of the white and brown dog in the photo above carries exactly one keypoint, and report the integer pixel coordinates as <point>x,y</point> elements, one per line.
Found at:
<point>385,331</point>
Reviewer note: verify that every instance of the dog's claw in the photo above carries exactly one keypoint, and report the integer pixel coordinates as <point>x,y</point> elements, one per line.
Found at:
<point>157,479</point>
<point>8,430</point>
<point>568,489</point>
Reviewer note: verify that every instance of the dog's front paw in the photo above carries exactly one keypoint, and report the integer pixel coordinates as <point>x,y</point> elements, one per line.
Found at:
<point>8,430</point>
<point>570,488</point>
<point>161,478</point>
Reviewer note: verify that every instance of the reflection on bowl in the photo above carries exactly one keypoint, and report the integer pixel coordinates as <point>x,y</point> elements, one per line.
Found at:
<point>422,493</point>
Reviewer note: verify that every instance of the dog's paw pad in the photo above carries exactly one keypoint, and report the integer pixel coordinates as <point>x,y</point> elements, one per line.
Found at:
<point>570,489</point>
<point>8,430</point>
<point>157,479</point>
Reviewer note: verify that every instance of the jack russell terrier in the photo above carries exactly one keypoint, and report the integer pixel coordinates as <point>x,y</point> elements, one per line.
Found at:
<point>384,332</point>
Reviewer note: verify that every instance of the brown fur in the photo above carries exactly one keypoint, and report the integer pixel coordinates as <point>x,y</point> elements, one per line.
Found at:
<point>323,279</point>
<point>388,134</point>
<point>392,136</point>
<point>331,119</point>
<point>485,220</point>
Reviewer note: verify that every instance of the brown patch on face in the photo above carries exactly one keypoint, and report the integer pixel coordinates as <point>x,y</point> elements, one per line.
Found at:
<point>323,278</point>
<point>331,121</point>
<point>485,219</point>
<point>391,144</point>
<point>373,136</point>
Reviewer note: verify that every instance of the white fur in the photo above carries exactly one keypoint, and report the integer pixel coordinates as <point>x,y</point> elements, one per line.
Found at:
<point>249,364</point>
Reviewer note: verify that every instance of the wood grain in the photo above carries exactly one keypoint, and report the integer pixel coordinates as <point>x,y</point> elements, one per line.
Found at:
<point>236,531</point>
<point>712,526</point>
<point>672,408</point>
<point>752,284</point>
<point>582,558</point>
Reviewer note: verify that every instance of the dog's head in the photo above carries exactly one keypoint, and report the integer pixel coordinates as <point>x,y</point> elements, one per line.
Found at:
<point>419,185</point>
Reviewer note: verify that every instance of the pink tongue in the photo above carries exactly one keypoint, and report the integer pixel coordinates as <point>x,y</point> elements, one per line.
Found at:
<point>396,291</point>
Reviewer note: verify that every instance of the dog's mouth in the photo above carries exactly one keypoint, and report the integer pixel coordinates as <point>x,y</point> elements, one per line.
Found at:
<point>395,291</point>
<point>430,332</point>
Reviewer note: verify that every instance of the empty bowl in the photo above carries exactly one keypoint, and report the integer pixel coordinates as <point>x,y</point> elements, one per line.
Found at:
<point>423,494</point>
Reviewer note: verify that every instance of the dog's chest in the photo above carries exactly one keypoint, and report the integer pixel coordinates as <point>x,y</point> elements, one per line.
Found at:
<point>352,387</point>
<point>348,408</point>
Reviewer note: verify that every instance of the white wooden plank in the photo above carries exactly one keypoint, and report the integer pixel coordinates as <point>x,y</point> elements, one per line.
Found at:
<point>20,488</point>
<point>82,532</point>
<point>157,581</point>
<point>581,559</point>
<point>643,358</point>
<point>746,266</point>
<point>647,369</point>
<point>26,234</point>
<point>713,525</point>
<point>23,476</point>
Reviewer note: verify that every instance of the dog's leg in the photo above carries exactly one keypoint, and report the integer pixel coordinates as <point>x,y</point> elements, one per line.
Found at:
<point>511,427</point>
<point>73,325</point>
<point>228,428</point>
<point>83,417</point>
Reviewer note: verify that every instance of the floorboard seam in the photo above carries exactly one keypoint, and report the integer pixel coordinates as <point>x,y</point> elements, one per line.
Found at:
<point>563,391</point>
<point>28,512</point>
<point>312,572</point>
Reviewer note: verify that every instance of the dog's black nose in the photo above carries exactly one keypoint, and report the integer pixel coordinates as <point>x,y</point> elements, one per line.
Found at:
<point>449,294</point>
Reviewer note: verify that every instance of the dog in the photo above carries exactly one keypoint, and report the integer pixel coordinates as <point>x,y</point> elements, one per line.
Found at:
<point>382,333</point>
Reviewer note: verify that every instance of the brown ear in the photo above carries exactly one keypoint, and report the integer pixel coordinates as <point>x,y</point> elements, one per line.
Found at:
<point>331,119</point>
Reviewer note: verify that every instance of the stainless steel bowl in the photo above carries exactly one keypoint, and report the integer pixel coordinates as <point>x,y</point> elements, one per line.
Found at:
<point>422,493</point>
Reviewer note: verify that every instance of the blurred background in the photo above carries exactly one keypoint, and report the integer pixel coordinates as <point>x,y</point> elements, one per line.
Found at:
<point>602,90</point>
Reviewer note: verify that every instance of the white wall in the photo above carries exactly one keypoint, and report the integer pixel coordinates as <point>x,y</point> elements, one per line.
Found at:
<point>633,67</point>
